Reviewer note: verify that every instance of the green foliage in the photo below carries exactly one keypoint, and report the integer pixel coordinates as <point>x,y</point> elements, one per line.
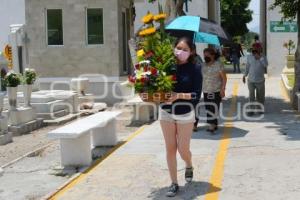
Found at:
<point>29,76</point>
<point>288,8</point>
<point>248,39</point>
<point>290,45</point>
<point>235,16</point>
<point>164,55</point>
<point>164,83</point>
<point>12,79</point>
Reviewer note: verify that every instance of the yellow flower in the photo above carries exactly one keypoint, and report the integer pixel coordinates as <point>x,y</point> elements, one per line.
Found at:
<point>148,18</point>
<point>148,31</point>
<point>140,53</point>
<point>160,17</point>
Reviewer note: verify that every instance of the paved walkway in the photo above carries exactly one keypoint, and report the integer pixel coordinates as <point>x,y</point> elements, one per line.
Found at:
<point>247,160</point>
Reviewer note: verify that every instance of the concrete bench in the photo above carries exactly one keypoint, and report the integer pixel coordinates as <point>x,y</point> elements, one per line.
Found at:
<point>78,138</point>
<point>142,111</point>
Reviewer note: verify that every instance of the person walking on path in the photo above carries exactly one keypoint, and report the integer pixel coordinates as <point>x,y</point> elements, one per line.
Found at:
<point>255,71</point>
<point>199,61</point>
<point>214,84</point>
<point>177,116</point>
<point>236,52</point>
<point>257,44</point>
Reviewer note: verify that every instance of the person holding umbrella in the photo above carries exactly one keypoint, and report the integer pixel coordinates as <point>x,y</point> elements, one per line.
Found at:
<point>214,85</point>
<point>177,115</point>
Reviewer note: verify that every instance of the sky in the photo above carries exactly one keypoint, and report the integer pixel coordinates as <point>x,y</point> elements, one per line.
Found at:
<point>254,25</point>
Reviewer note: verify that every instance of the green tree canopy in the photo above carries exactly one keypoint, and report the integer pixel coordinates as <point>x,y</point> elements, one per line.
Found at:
<point>289,8</point>
<point>235,15</point>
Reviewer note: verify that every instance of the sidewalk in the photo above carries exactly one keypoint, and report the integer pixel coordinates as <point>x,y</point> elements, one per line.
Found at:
<point>246,161</point>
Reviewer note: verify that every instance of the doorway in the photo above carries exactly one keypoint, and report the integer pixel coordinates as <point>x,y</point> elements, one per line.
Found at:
<point>125,68</point>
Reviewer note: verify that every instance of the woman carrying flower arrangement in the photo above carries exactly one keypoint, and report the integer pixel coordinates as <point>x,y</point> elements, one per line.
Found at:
<point>177,115</point>
<point>169,77</point>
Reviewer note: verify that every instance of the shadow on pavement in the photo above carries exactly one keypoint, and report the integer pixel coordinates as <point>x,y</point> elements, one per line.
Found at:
<point>203,134</point>
<point>278,115</point>
<point>189,191</point>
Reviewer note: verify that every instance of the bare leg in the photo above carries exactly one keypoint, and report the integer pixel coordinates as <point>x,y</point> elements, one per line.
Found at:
<point>169,132</point>
<point>184,134</point>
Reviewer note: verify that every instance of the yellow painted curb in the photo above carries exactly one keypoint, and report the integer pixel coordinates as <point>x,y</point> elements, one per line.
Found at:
<point>218,171</point>
<point>97,163</point>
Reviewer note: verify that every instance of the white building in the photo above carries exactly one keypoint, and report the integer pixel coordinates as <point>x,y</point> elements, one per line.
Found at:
<point>11,12</point>
<point>274,35</point>
<point>67,38</point>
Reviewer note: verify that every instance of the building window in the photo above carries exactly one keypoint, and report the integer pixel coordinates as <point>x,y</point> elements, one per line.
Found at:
<point>54,27</point>
<point>94,26</point>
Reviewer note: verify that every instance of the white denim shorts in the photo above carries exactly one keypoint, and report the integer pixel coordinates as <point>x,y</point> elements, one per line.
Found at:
<point>180,119</point>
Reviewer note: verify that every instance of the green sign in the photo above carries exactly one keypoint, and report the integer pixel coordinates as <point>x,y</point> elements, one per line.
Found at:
<point>283,27</point>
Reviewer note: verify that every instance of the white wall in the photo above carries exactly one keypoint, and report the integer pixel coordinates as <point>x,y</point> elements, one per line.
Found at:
<point>11,12</point>
<point>275,50</point>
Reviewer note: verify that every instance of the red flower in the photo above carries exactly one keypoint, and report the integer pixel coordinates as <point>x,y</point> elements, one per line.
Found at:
<point>174,78</point>
<point>137,66</point>
<point>143,79</point>
<point>149,54</point>
<point>153,71</point>
<point>131,79</point>
<point>145,68</point>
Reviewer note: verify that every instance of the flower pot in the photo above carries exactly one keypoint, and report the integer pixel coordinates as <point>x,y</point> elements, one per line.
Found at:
<point>157,97</point>
<point>290,64</point>
<point>12,97</point>
<point>27,90</point>
<point>290,58</point>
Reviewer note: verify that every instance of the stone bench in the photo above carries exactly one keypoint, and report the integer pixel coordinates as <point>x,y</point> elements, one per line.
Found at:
<point>142,111</point>
<point>78,138</point>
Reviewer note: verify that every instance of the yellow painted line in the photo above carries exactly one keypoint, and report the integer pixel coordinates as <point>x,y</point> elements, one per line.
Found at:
<point>92,168</point>
<point>218,171</point>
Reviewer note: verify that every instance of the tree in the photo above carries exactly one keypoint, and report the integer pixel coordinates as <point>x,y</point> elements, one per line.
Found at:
<point>291,10</point>
<point>235,15</point>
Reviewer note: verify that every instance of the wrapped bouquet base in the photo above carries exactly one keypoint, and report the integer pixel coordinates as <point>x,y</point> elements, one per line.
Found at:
<point>156,97</point>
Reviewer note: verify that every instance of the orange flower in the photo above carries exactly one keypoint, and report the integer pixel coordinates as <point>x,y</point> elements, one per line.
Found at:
<point>159,17</point>
<point>148,18</point>
<point>148,31</point>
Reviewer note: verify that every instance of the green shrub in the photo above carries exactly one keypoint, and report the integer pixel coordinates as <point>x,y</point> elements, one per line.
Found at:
<point>12,79</point>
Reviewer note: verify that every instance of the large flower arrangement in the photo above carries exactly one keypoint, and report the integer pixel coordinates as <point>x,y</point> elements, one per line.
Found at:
<point>154,74</point>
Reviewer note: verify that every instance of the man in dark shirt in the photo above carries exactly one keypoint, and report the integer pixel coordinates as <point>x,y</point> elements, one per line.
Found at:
<point>236,53</point>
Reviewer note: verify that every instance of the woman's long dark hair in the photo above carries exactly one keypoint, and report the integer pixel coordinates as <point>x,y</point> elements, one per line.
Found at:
<point>190,44</point>
<point>213,52</point>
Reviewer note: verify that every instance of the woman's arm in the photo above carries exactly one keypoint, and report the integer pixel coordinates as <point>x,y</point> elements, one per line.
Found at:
<point>224,82</point>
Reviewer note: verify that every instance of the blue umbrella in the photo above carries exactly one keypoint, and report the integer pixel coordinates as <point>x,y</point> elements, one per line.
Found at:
<point>201,30</point>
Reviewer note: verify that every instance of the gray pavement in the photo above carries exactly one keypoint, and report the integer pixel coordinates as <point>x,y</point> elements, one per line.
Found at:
<point>262,160</point>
